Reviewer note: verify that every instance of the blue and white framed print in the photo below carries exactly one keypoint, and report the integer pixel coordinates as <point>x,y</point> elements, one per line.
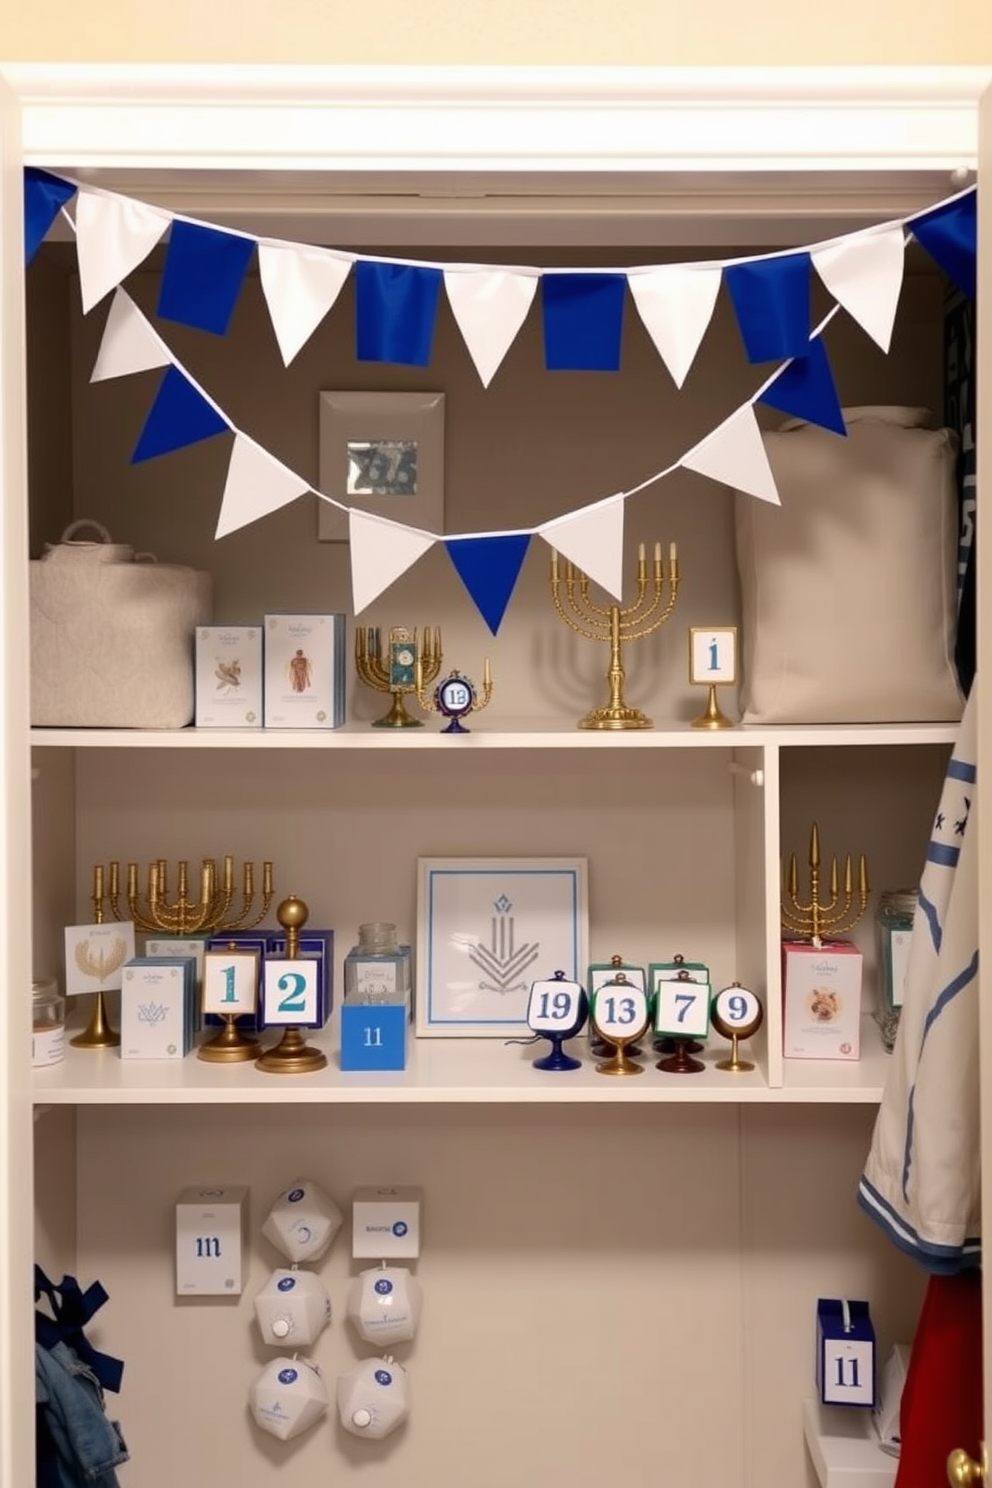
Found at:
<point>487,928</point>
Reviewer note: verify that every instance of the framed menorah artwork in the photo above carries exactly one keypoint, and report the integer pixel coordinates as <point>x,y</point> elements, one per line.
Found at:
<point>486,929</point>
<point>95,956</point>
<point>384,454</point>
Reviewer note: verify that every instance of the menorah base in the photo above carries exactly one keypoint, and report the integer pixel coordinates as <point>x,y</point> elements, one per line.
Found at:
<point>397,717</point>
<point>616,716</point>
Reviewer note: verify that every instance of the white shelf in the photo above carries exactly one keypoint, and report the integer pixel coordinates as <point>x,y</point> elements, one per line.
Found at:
<point>526,734</point>
<point>439,1071</point>
<point>844,1447</point>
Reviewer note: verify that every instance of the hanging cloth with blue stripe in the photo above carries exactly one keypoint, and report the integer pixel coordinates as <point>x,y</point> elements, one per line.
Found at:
<point>77,1446</point>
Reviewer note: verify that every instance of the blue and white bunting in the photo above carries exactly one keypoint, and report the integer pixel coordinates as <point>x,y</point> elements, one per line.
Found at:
<point>44,197</point>
<point>114,235</point>
<point>734,454</point>
<point>204,272</point>
<point>583,321</point>
<point>949,233</point>
<point>129,344</point>
<point>381,553</point>
<point>592,539</point>
<point>300,287</point>
<point>179,416</point>
<point>490,306</point>
<point>864,273</point>
<point>771,298</point>
<point>257,484</point>
<point>676,304</point>
<point>489,568</point>
<point>395,312</point>
<point>805,389</point>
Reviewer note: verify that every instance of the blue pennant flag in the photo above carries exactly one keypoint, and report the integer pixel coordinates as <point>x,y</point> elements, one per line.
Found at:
<point>771,298</point>
<point>44,197</point>
<point>489,568</point>
<point>950,236</point>
<point>204,271</point>
<point>179,416</point>
<point>805,389</point>
<point>583,321</point>
<point>395,311</point>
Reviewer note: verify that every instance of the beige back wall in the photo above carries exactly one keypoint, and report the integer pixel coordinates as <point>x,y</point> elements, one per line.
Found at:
<point>504,32</point>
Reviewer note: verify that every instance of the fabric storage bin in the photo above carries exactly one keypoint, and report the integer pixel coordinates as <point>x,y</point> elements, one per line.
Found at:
<point>848,590</point>
<point>112,635</point>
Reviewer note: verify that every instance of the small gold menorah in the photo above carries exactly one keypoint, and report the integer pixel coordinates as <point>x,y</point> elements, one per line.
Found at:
<point>211,912</point>
<point>815,920</point>
<point>396,671</point>
<point>616,625</point>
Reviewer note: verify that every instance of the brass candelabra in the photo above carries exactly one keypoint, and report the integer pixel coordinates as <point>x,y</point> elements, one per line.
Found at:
<point>815,919</point>
<point>157,912</point>
<point>394,670</point>
<point>617,626</point>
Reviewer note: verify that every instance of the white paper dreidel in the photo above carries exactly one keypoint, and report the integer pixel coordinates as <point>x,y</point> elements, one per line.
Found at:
<point>292,1309</point>
<point>288,1397</point>
<point>303,1222</point>
<point>384,1305</point>
<point>373,1398</point>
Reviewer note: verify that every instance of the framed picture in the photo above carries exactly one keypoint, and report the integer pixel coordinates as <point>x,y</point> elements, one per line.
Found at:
<point>712,655</point>
<point>486,929</point>
<point>384,453</point>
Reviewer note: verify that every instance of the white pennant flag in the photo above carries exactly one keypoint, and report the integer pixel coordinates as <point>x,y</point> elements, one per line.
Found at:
<point>490,306</point>
<point>593,540</point>
<point>381,552</point>
<point>256,485</point>
<point>113,236</point>
<point>735,455</point>
<point>676,305</point>
<point>300,286</point>
<point>864,274</point>
<point>129,344</point>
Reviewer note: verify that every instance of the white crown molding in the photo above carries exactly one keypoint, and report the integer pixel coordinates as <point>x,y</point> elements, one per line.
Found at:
<point>483,120</point>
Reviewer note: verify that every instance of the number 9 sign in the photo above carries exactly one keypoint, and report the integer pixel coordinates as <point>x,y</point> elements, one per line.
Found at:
<point>736,1014</point>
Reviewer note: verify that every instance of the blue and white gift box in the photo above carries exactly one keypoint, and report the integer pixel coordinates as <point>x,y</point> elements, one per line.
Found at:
<point>845,1352</point>
<point>158,1007</point>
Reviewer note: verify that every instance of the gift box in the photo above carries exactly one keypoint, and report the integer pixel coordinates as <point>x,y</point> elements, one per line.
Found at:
<point>822,1000</point>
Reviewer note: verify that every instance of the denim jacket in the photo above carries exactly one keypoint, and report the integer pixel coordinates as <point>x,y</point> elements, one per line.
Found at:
<point>77,1447</point>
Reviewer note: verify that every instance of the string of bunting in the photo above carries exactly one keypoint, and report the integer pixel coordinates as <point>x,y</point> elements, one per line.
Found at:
<point>396,306</point>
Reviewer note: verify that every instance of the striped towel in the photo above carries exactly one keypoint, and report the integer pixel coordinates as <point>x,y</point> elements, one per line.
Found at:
<point>921,1181</point>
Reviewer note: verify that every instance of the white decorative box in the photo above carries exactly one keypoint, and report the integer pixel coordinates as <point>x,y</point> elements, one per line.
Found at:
<point>386,1224</point>
<point>158,1007</point>
<point>822,992</point>
<point>211,1224</point>
<point>229,676</point>
<point>304,671</point>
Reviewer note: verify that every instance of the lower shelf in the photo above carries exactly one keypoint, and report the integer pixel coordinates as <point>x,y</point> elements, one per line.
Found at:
<point>440,1071</point>
<point>844,1447</point>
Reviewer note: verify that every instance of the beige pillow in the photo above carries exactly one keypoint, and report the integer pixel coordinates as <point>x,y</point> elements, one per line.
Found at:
<point>848,589</point>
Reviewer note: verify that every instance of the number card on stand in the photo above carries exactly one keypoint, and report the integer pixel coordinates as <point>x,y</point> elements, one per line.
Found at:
<point>680,992</point>
<point>557,1009</point>
<point>230,983</point>
<point>620,1011</point>
<point>291,994</point>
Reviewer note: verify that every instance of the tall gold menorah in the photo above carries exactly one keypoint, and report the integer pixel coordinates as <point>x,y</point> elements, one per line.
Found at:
<point>159,911</point>
<point>815,919</point>
<point>394,669</point>
<point>616,625</point>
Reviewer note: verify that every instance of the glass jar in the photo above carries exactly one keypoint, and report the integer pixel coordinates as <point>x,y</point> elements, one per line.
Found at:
<point>47,1022</point>
<point>893,929</point>
<point>377,969</point>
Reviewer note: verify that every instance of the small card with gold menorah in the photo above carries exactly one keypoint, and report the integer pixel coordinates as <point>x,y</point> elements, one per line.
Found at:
<point>95,956</point>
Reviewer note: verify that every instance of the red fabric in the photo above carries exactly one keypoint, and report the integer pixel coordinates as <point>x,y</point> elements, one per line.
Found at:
<point>942,1397</point>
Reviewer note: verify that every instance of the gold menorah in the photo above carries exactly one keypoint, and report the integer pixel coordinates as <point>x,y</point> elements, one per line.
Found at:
<point>616,625</point>
<point>815,920</point>
<point>396,671</point>
<point>181,915</point>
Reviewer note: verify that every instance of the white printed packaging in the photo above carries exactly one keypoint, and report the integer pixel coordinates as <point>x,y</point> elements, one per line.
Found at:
<point>304,671</point>
<point>229,676</point>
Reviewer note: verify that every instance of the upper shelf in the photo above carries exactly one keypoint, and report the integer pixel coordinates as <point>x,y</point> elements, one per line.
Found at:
<point>529,734</point>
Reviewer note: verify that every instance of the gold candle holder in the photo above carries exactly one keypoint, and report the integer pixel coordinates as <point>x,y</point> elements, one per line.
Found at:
<point>617,626</point>
<point>396,670</point>
<point>814,918</point>
<point>98,1034</point>
<point>292,1055</point>
<point>213,911</point>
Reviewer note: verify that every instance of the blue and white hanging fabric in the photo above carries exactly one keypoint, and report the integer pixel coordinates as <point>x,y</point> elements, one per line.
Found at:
<point>921,1182</point>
